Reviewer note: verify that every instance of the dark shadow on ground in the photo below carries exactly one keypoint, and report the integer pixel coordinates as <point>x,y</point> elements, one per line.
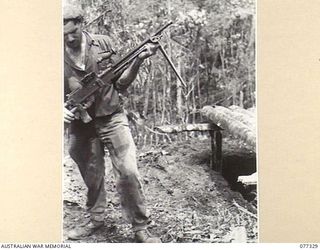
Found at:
<point>237,164</point>
<point>234,165</point>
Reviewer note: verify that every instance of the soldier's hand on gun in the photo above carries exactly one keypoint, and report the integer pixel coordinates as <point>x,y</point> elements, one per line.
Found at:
<point>68,116</point>
<point>150,50</point>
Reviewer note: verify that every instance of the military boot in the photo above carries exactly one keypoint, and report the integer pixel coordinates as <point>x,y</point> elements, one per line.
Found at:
<point>83,231</point>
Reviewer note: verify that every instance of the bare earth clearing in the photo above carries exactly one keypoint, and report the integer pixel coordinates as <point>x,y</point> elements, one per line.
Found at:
<point>187,201</point>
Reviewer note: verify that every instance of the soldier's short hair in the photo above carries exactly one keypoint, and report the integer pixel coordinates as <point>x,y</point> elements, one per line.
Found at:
<point>72,12</point>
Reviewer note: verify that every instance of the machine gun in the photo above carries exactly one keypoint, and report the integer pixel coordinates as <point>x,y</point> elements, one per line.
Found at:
<point>92,82</point>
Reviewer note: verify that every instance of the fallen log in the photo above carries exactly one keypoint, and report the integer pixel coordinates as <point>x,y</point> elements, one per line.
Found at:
<point>248,112</point>
<point>223,117</point>
<point>244,116</point>
<point>184,127</point>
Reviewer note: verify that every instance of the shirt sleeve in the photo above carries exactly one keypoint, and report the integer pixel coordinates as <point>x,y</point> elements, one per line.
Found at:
<point>106,47</point>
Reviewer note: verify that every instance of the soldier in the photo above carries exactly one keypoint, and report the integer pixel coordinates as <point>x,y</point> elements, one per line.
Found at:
<point>109,127</point>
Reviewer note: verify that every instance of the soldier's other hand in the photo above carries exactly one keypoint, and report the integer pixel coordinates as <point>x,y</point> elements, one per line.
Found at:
<point>150,50</point>
<point>68,116</point>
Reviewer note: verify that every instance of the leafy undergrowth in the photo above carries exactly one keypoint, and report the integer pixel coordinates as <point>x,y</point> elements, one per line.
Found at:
<point>186,200</point>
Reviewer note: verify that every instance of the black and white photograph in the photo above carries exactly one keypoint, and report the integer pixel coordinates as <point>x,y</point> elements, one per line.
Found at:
<point>159,119</point>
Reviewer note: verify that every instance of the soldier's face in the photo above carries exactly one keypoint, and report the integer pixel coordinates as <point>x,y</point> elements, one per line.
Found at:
<point>72,34</point>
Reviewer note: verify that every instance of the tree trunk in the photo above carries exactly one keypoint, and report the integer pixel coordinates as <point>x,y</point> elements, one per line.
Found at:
<point>146,97</point>
<point>179,94</point>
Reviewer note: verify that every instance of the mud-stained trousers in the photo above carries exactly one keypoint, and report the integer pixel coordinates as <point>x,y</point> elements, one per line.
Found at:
<point>86,149</point>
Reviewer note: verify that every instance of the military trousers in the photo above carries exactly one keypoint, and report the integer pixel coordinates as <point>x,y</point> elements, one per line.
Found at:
<point>87,143</point>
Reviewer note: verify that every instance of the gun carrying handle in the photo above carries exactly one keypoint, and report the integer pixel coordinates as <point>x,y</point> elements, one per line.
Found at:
<point>164,53</point>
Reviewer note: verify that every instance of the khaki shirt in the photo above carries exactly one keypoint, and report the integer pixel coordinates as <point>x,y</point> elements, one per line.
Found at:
<point>107,99</point>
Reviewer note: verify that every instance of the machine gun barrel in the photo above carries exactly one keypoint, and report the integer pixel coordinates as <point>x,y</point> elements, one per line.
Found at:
<point>128,58</point>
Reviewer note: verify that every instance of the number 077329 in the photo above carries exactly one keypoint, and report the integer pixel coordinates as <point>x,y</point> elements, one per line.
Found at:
<point>308,245</point>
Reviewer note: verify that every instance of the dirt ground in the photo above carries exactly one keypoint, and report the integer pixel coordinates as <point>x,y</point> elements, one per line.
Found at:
<point>188,202</point>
